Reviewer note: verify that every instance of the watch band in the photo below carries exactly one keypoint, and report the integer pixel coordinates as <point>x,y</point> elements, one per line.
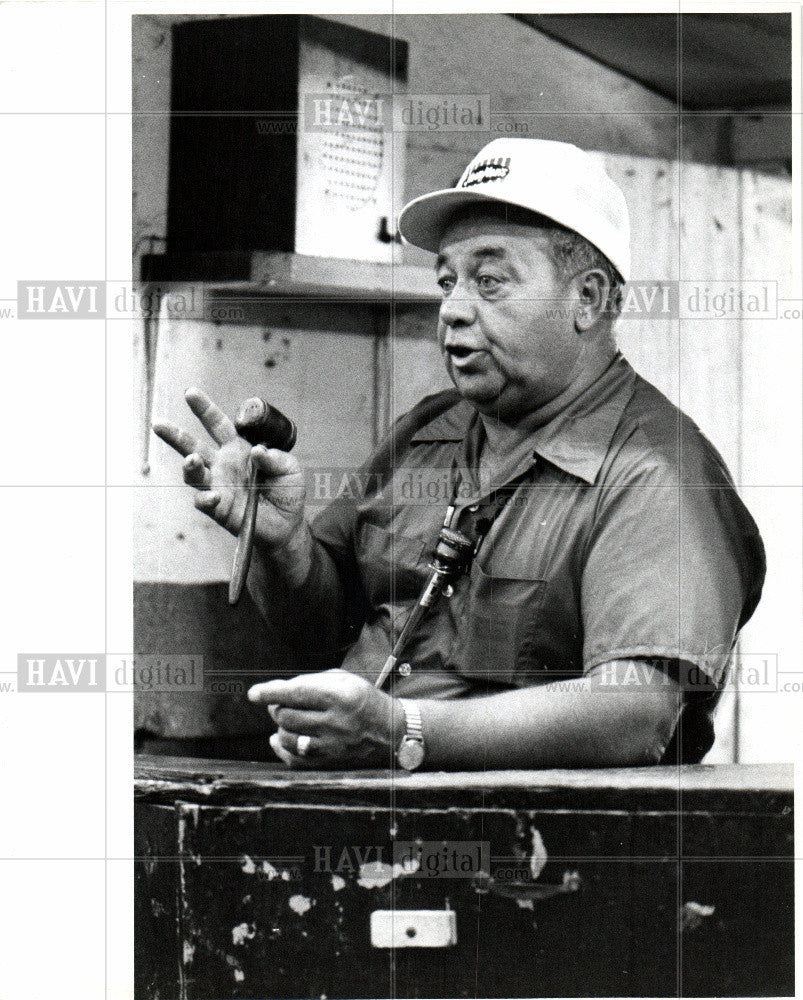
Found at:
<point>415,728</point>
<point>410,754</point>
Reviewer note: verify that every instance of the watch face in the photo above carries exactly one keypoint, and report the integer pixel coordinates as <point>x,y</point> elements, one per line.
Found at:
<point>411,754</point>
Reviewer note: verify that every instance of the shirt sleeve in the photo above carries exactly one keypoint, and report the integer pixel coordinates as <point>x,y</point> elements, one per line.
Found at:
<point>333,529</point>
<point>674,567</point>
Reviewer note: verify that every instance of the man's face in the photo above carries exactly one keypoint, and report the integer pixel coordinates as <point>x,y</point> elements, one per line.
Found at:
<point>506,323</point>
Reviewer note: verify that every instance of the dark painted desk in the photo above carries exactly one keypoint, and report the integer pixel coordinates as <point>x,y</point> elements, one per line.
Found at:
<point>254,882</point>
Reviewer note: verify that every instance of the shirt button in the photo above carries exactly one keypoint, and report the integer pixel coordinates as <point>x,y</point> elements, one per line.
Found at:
<point>405,669</point>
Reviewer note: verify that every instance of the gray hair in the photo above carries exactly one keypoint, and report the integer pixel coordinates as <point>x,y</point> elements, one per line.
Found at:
<point>572,253</point>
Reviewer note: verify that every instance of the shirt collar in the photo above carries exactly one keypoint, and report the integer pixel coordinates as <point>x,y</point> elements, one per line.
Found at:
<point>576,439</point>
<point>451,425</point>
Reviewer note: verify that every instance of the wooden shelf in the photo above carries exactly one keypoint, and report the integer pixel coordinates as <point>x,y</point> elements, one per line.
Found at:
<point>295,276</point>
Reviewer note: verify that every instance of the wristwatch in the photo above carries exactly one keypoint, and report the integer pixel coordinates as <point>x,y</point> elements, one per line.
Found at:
<point>410,754</point>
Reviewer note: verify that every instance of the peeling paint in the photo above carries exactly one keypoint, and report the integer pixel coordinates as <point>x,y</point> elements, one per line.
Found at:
<point>525,904</point>
<point>242,933</point>
<point>239,975</point>
<point>269,870</point>
<point>338,883</point>
<point>192,809</point>
<point>409,866</point>
<point>248,865</point>
<point>146,786</point>
<point>286,876</point>
<point>188,952</point>
<point>539,856</point>
<point>481,883</point>
<point>377,874</point>
<point>693,914</point>
<point>300,904</point>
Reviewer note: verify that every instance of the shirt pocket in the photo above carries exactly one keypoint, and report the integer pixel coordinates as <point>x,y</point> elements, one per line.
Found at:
<point>498,626</point>
<point>391,564</point>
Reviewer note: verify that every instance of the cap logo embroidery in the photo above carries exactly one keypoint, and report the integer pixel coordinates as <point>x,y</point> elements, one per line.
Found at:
<point>488,170</point>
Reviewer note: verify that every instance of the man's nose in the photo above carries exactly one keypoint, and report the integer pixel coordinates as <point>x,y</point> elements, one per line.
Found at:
<point>458,309</point>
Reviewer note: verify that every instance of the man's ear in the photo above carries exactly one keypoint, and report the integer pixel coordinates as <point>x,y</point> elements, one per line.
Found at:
<point>593,288</point>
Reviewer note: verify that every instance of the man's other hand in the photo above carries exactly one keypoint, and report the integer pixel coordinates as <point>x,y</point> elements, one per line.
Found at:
<point>220,474</point>
<point>344,721</point>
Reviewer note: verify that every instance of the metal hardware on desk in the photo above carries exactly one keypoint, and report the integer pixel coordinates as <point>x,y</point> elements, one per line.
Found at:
<point>413,928</point>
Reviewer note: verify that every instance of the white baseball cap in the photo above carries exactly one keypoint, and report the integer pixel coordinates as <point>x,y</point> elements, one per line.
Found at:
<point>555,179</point>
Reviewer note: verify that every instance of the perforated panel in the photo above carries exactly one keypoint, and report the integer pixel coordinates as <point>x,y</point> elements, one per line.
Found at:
<point>354,155</point>
<point>350,169</point>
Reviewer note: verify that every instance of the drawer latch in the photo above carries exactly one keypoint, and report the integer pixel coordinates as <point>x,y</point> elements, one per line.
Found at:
<point>413,928</point>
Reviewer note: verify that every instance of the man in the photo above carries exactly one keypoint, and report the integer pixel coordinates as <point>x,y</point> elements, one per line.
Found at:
<point>613,561</point>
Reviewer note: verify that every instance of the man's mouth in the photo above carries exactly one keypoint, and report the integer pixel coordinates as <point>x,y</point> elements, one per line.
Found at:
<point>459,354</point>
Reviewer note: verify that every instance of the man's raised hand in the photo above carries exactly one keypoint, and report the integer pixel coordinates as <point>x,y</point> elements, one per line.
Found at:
<point>219,473</point>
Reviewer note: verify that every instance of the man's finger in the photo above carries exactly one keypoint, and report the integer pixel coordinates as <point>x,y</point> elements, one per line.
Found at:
<point>207,501</point>
<point>196,473</point>
<point>182,442</point>
<point>279,750</point>
<point>298,721</point>
<point>291,694</point>
<point>273,462</point>
<point>288,742</point>
<point>220,428</point>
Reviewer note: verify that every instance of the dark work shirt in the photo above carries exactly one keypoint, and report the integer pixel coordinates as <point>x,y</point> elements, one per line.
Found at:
<point>620,536</point>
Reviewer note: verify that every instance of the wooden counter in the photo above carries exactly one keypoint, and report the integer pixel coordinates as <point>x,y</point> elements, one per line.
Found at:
<point>255,882</point>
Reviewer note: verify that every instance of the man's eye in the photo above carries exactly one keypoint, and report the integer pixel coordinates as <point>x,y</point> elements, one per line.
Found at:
<point>447,284</point>
<point>488,283</point>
